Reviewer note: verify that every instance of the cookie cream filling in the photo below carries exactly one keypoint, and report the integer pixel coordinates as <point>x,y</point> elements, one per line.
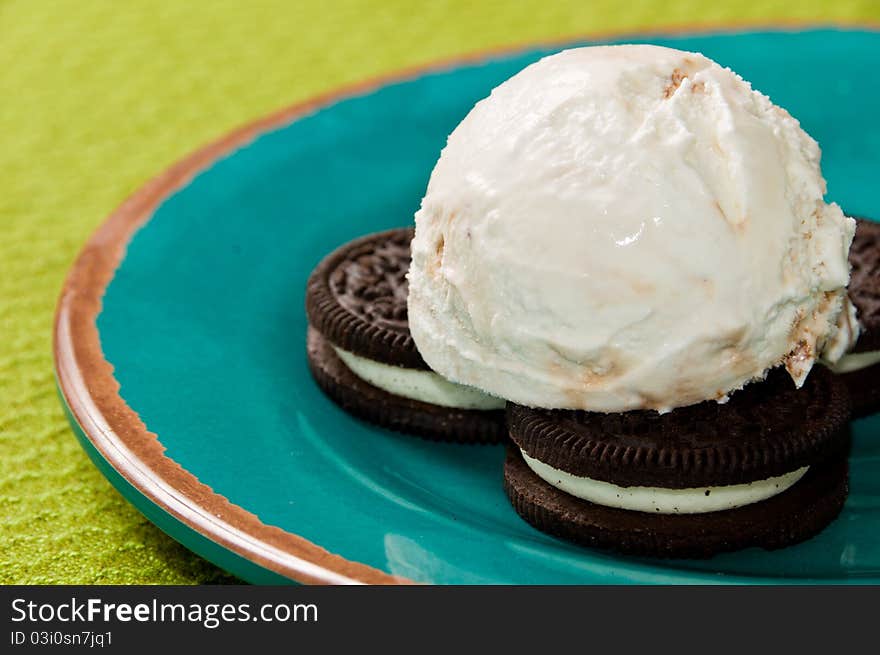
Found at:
<point>659,500</point>
<point>425,386</point>
<point>856,361</point>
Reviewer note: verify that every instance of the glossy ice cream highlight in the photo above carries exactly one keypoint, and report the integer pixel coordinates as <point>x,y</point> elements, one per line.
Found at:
<point>626,227</point>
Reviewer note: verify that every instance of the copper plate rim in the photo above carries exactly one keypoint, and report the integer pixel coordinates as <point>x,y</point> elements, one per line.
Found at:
<point>91,392</point>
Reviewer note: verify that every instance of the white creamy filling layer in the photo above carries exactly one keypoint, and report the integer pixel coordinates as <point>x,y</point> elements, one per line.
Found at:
<point>855,361</point>
<point>426,386</point>
<point>658,500</point>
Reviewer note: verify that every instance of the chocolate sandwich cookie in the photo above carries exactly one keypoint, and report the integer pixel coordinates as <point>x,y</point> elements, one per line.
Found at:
<point>363,357</point>
<point>860,368</point>
<point>768,468</point>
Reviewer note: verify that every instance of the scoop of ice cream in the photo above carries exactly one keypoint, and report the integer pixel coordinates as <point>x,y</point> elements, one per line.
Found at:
<point>626,227</point>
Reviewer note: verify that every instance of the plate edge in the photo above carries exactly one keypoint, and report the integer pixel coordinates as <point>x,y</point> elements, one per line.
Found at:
<point>91,393</point>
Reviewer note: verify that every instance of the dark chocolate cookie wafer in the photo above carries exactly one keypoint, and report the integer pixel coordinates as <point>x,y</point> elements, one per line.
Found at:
<point>362,354</point>
<point>766,429</point>
<point>356,298</point>
<point>796,514</point>
<point>864,390</point>
<point>395,412</point>
<point>864,291</point>
<point>864,283</point>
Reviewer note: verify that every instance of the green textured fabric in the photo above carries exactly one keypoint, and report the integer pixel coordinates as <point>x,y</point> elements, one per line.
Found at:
<point>98,96</point>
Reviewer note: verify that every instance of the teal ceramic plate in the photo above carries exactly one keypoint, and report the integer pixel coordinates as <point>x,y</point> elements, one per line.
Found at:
<point>191,298</point>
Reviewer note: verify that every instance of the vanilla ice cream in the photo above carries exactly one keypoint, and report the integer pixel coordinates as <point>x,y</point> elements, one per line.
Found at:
<point>626,227</point>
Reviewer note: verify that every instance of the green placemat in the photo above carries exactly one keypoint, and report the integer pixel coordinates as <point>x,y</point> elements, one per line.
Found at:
<point>98,96</point>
